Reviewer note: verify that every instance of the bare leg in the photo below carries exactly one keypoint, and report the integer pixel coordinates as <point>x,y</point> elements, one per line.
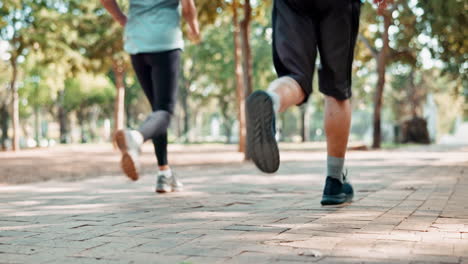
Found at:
<point>289,92</point>
<point>164,167</point>
<point>337,125</point>
<point>337,189</point>
<point>337,113</point>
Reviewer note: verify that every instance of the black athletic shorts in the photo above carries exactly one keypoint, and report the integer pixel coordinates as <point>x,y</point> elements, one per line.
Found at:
<point>301,27</point>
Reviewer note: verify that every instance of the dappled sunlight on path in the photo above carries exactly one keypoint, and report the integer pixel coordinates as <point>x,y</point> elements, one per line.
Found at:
<point>409,206</point>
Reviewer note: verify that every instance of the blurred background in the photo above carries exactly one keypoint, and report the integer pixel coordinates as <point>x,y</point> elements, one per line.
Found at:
<point>64,78</point>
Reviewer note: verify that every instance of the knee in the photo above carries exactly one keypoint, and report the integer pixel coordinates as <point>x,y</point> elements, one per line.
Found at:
<point>161,117</point>
<point>288,89</point>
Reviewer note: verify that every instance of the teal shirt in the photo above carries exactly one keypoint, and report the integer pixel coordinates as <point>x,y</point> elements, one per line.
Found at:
<point>153,26</point>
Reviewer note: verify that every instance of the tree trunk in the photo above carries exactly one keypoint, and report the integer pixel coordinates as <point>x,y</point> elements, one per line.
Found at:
<point>305,123</point>
<point>185,107</point>
<point>36,109</point>
<point>14,105</point>
<point>381,68</point>
<point>63,124</point>
<point>199,136</point>
<point>413,95</point>
<point>228,131</point>
<point>465,110</point>
<point>37,131</point>
<point>4,125</point>
<point>226,118</point>
<point>119,104</point>
<point>186,119</point>
<point>80,115</point>
<point>62,115</point>
<point>246,49</point>
<point>239,86</point>
<point>93,121</point>
<point>246,54</point>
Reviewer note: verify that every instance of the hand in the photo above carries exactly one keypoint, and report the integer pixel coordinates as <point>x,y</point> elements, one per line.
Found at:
<point>194,37</point>
<point>194,33</point>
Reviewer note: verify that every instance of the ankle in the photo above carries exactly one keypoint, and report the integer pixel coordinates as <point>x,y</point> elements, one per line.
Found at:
<point>165,171</point>
<point>164,167</point>
<point>276,101</point>
<point>335,167</point>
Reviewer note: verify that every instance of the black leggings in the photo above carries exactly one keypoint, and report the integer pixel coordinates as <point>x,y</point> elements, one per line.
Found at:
<point>158,76</point>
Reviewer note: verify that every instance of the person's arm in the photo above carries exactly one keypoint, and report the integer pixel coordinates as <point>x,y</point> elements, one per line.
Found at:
<point>113,8</point>
<point>189,12</point>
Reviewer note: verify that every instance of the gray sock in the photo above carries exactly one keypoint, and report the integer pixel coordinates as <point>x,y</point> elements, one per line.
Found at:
<point>335,167</point>
<point>276,101</point>
<point>156,124</point>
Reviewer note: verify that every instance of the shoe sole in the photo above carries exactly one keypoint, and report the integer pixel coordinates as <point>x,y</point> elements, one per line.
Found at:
<point>261,142</point>
<point>172,190</point>
<point>126,163</point>
<point>336,199</point>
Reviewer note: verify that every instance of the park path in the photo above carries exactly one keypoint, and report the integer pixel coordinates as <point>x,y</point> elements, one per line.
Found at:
<point>411,206</point>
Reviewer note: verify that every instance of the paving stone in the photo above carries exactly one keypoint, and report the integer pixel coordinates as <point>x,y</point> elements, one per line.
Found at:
<point>433,249</point>
<point>461,249</point>
<point>18,249</point>
<point>82,260</point>
<point>201,260</point>
<point>12,233</point>
<point>234,214</point>
<point>250,257</point>
<point>338,260</point>
<point>313,243</point>
<point>420,259</point>
<point>256,228</point>
<point>107,250</point>
<point>376,229</point>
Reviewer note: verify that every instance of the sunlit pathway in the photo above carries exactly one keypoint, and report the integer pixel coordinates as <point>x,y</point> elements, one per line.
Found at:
<point>411,206</point>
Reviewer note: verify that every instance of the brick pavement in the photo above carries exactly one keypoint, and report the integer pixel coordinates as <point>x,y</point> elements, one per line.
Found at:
<point>410,207</point>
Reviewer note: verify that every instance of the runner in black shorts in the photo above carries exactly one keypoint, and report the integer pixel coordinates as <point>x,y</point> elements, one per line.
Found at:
<point>300,29</point>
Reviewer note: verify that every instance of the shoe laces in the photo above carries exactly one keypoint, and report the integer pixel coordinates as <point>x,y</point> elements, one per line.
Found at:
<point>162,179</point>
<point>345,175</point>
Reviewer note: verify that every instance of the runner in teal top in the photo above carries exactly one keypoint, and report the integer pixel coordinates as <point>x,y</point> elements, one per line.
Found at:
<point>152,26</point>
<point>153,38</point>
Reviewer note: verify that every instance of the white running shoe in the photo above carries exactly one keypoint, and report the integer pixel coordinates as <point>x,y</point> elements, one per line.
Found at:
<point>168,183</point>
<point>129,142</point>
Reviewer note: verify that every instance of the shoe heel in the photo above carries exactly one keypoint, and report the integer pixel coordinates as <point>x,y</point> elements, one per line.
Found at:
<point>128,166</point>
<point>119,141</point>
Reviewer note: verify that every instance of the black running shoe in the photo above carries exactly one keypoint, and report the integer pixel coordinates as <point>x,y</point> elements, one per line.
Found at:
<point>261,129</point>
<point>336,192</point>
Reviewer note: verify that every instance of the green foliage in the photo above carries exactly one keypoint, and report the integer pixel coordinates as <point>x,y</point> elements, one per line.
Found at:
<point>208,68</point>
<point>213,80</point>
<point>87,90</point>
<point>445,22</point>
<point>4,79</point>
<point>263,69</point>
<point>98,38</point>
<point>70,47</point>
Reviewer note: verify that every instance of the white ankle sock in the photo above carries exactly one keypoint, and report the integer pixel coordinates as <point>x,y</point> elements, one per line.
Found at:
<point>276,100</point>
<point>166,173</point>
